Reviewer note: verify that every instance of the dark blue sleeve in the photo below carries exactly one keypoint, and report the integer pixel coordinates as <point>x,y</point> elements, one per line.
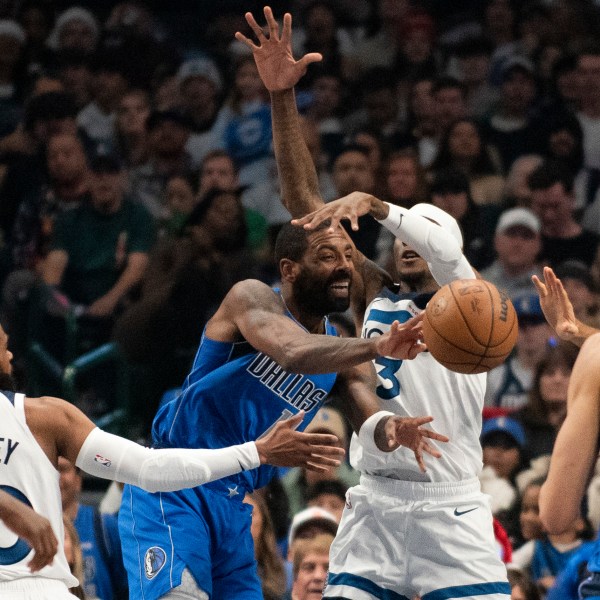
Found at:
<point>113,545</point>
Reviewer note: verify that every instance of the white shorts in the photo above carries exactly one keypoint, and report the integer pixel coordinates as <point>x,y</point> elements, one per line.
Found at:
<point>35,588</point>
<point>398,539</point>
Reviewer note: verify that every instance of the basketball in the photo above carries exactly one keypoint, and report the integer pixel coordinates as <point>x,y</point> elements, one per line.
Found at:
<point>470,326</point>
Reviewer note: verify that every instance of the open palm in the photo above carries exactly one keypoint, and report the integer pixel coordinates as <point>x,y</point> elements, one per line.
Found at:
<point>273,56</point>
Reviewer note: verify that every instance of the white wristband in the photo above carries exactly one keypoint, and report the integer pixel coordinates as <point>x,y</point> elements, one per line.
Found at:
<point>161,470</point>
<point>394,219</point>
<point>366,434</point>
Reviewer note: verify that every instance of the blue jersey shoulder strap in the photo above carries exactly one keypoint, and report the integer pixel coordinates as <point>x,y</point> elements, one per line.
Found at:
<point>10,396</point>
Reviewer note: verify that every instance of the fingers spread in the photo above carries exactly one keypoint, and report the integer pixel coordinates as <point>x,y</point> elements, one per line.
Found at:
<point>240,37</point>
<point>330,451</point>
<point>325,439</point>
<point>255,27</point>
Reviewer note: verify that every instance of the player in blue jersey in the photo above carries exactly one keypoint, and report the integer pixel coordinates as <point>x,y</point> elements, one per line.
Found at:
<point>576,448</point>
<point>264,355</point>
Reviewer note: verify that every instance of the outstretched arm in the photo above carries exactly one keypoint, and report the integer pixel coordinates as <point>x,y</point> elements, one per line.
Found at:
<point>381,430</point>
<point>558,309</point>
<point>576,448</point>
<point>432,242</point>
<point>112,457</point>
<point>33,528</point>
<point>280,72</point>
<point>253,311</point>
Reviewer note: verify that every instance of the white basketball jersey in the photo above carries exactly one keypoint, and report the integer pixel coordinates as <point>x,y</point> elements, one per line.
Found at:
<point>27,473</point>
<point>422,387</point>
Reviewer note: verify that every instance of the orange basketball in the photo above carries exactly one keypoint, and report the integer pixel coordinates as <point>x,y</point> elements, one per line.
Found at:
<point>470,326</point>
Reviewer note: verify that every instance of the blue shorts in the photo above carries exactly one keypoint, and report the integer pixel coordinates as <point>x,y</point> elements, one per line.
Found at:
<point>203,529</point>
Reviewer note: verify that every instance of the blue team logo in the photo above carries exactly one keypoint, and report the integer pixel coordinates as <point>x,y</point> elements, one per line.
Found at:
<point>154,560</point>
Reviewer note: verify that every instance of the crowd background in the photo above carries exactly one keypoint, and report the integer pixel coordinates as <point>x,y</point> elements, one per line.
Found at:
<point>138,183</point>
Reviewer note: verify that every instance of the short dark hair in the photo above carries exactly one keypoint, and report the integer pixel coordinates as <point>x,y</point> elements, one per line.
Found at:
<point>292,241</point>
<point>548,174</point>
<point>449,181</point>
<point>331,486</point>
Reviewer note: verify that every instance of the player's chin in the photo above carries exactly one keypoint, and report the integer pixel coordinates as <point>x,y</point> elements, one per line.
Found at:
<point>339,300</point>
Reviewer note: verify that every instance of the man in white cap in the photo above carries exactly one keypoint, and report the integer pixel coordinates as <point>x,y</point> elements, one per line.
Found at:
<point>518,243</point>
<point>405,531</point>
<point>200,87</point>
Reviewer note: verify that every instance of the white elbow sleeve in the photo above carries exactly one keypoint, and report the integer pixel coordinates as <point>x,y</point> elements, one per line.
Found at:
<point>366,433</point>
<point>164,470</point>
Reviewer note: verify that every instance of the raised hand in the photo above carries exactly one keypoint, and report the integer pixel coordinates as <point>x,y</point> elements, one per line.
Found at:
<point>407,432</point>
<point>556,305</point>
<point>349,207</point>
<point>33,528</point>
<point>403,341</point>
<point>273,54</point>
<point>283,446</point>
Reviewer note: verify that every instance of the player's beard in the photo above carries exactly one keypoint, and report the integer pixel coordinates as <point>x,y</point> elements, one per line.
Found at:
<point>7,382</point>
<point>316,296</point>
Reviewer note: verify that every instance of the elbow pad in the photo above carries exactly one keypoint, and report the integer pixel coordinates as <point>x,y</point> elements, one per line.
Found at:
<point>161,470</point>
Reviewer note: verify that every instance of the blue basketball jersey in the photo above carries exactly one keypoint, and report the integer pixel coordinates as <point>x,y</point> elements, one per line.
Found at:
<point>235,394</point>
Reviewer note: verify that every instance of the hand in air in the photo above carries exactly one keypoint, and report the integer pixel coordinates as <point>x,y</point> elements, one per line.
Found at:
<point>403,341</point>
<point>407,432</point>
<point>556,305</point>
<point>349,207</point>
<point>283,446</point>
<point>273,55</point>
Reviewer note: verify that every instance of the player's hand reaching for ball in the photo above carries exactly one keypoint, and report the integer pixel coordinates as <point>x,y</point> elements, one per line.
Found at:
<point>556,305</point>
<point>403,341</point>
<point>408,432</point>
<point>283,446</point>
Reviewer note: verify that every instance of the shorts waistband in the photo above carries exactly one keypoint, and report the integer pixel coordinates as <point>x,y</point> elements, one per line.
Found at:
<point>420,490</point>
<point>33,584</point>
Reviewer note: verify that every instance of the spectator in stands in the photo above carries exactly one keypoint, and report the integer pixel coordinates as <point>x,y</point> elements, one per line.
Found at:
<point>168,133</point>
<point>325,106</point>
<point>517,243</point>
<point>329,495</point>
<point>463,147</point>
<point>509,384</point>
<point>12,44</point>
<point>450,191</point>
<point>99,268</point>
<point>311,563</point>
<point>200,86</point>
<point>104,576</point>
<point>131,127</point>
<point>75,29</point>
<point>74,556</point>
<point>421,127</point>
<point>553,201</point>
<point>449,102</point>
<point>510,128</point>
<point>546,406</point>
<point>516,187</point>
<point>218,172</point>
<point>297,482</point>
<point>109,84</point>
<point>269,562</point>
<point>74,72</point>
<point>406,183</point>
<point>588,67</point>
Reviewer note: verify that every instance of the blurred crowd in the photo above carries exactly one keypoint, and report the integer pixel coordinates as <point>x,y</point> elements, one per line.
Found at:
<point>138,184</point>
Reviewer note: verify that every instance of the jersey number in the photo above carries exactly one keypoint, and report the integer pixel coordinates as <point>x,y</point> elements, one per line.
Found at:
<point>20,549</point>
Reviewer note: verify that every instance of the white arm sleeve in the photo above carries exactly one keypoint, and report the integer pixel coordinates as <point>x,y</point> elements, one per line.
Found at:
<point>433,243</point>
<point>366,433</point>
<point>111,457</point>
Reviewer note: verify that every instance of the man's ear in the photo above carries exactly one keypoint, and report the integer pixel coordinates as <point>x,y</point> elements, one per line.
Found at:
<point>289,270</point>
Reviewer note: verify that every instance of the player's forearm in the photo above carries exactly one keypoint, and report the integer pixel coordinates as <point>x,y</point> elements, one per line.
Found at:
<point>326,354</point>
<point>297,174</point>
<point>115,458</point>
<point>584,332</point>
